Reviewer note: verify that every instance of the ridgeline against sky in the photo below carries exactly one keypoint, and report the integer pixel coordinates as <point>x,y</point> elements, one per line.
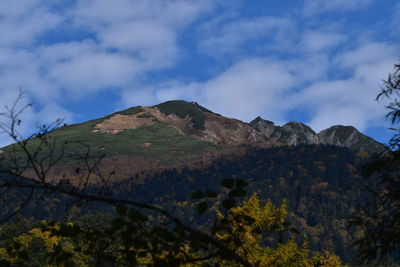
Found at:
<point>316,62</point>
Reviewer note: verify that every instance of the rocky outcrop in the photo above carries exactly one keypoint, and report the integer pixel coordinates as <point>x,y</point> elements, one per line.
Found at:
<point>227,131</point>
<point>216,128</point>
<point>295,133</point>
<point>292,133</point>
<point>267,128</point>
<point>348,136</point>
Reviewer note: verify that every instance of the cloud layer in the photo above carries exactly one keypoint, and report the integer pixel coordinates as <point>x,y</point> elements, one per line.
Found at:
<point>321,65</point>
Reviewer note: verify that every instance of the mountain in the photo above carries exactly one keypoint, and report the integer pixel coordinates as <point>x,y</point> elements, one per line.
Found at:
<point>179,133</point>
<point>181,127</point>
<point>172,128</point>
<point>161,154</point>
<point>348,136</point>
<point>295,133</point>
<point>292,133</point>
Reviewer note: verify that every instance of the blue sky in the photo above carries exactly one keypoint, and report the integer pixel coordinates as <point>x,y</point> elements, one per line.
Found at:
<point>314,61</point>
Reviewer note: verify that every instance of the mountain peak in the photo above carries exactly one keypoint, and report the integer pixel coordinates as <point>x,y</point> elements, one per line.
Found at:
<point>292,133</point>
<point>181,104</point>
<point>295,133</point>
<point>266,127</point>
<point>261,120</point>
<point>349,136</point>
<point>298,126</point>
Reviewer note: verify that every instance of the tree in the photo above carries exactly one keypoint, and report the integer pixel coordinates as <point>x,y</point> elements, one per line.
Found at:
<point>129,241</point>
<point>131,236</point>
<point>378,220</point>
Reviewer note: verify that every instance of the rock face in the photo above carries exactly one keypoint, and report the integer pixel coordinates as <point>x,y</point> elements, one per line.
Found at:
<point>292,133</point>
<point>348,136</point>
<point>215,128</point>
<point>295,133</point>
<point>267,128</point>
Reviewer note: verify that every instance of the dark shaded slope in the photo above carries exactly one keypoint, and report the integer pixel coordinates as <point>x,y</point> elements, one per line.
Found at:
<point>320,182</point>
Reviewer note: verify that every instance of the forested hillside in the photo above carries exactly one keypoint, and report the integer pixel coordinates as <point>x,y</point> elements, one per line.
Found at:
<point>320,182</point>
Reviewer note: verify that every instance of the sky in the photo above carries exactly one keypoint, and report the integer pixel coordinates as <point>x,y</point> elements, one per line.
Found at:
<point>314,61</point>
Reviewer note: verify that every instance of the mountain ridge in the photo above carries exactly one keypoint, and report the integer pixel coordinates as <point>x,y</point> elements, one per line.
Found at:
<point>177,130</point>
<point>295,133</point>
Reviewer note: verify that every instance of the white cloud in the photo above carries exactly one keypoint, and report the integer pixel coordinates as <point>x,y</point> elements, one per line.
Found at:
<point>252,87</point>
<point>321,6</point>
<point>123,40</point>
<point>22,22</point>
<point>152,43</point>
<point>249,88</point>
<point>94,71</point>
<point>350,101</point>
<point>368,53</point>
<point>52,112</point>
<point>228,37</point>
<point>345,102</point>
<point>98,14</point>
<point>395,21</point>
<point>10,8</point>
<point>130,38</point>
<point>20,69</point>
<point>137,96</point>
<point>316,41</point>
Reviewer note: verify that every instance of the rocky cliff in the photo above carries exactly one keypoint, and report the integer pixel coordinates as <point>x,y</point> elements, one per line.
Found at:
<point>295,133</point>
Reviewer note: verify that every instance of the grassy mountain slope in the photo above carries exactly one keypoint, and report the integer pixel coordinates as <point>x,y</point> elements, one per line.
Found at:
<point>152,140</point>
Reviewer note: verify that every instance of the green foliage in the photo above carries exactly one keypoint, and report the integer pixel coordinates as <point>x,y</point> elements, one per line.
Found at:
<point>235,192</point>
<point>162,137</point>
<point>131,239</point>
<point>377,220</point>
<point>79,139</point>
<point>129,111</point>
<point>245,228</point>
<point>184,109</point>
<point>228,203</point>
<point>197,195</point>
<point>203,206</point>
<point>227,183</point>
<point>211,194</point>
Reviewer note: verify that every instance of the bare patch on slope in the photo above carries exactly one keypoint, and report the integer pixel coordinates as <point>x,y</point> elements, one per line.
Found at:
<point>227,131</point>
<point>217,129</point>
<point>183,125</point>
<point>119,123</point>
